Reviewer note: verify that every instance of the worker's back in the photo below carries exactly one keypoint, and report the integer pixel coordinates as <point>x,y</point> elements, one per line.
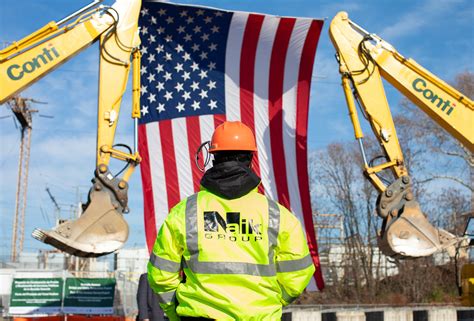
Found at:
<point>230,248</point>
<point>244,255</point>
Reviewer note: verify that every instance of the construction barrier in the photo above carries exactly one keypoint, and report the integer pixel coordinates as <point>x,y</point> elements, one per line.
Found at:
<point>350,316</point>
<point>72,318</point>
<point>428,313</point>
<point>398,315</point>
<point>50,318</point>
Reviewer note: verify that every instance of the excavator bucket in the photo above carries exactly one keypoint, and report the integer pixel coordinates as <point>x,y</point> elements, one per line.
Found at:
<point>406,232</point>
<point>410,235</point>
<point>100,230</point>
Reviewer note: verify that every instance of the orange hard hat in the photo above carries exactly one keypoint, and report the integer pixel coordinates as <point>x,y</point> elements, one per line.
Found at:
<point>232,135</point>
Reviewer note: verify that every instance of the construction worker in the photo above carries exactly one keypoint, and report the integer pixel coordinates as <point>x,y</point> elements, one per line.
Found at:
<point>147,302</point>
<point>244,256</point>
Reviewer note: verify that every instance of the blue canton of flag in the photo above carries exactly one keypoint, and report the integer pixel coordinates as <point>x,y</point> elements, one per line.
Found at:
<point>183,61</point>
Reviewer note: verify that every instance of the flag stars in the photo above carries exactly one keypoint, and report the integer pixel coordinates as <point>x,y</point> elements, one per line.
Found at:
<point>186,95</point>
<point>160,48</point>
<point>213,47</point>
<point>179,87</point>
<point>152,98</point>
<point>151,77</point>
<point>203,55</point>
<point>203,94</point>
<point>178,67</point>
<point>161,107</point>
<point>211,66</point>
<point>188,37</point>
<point>186,76</point>
<point>212,104</point>
<point>195,66</point>
<point>159,68</point>
<point>168,95</point>
<point>167,76</point>
<point>179,48</point>
<point>186,56</point>
<point>196,105</point>
<point>180,107</point>
<point>211,85</point>
<point>160,86</point>
<point>205,37</point>
<point>144,12</point>
<point>203,74</point>
<point>151,58</point>
<point>195,85</point>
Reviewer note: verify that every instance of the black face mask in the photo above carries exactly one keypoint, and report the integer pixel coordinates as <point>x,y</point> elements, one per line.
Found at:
<point>230,179</point>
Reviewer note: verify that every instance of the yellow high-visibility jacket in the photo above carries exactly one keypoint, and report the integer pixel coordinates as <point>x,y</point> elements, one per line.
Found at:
<point>244,258</point>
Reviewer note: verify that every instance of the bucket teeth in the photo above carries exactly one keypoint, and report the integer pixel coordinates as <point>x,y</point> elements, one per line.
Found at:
<point>100,230</point>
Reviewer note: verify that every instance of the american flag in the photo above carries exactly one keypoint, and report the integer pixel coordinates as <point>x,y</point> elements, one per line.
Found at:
<point>202,66</point>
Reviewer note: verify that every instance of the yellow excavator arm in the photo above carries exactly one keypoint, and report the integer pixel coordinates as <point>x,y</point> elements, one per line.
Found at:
<point>364,59</point>
<point>101,228</point>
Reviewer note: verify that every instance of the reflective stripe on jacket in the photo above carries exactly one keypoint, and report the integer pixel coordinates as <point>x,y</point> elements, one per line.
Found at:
<point>243,258</point>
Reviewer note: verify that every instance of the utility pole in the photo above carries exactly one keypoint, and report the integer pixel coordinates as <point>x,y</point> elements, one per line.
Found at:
<point>22,112</point>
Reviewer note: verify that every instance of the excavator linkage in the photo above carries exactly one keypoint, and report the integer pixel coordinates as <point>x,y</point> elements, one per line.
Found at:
<point>101,229</point>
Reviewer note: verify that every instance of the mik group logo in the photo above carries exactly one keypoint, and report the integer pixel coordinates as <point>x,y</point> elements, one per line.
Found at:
<point>232,228</point>
<point>421,86</point>
<point>16,72</point>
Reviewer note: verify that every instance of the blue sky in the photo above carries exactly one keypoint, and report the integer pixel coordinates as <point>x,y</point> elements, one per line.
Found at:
<point>438,34</point>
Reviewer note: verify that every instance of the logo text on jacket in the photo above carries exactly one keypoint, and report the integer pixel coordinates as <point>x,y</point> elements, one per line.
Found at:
<point>232,228</point>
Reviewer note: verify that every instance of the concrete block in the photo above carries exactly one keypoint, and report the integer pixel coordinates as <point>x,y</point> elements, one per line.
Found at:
<point>350,316</point>
<point>306,316</point>
<point>444,314</point>
<point>398,315</point>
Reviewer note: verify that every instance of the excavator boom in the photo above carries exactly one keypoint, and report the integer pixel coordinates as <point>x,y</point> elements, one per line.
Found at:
<point>364,59</point>
<point>101,229</point>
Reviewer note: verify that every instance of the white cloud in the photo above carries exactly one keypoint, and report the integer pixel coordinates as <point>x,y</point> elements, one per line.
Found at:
<point>424,14</point>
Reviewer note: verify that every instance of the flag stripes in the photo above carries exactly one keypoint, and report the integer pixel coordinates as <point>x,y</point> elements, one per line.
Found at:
<point>266,77</point>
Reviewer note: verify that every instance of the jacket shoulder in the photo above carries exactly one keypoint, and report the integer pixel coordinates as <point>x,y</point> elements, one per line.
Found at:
<point>288,220</point>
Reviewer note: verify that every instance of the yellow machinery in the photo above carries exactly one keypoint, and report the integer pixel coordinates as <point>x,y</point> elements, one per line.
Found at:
<point>101,228</point>
<point>363,59</point>
<point>467,270</point>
